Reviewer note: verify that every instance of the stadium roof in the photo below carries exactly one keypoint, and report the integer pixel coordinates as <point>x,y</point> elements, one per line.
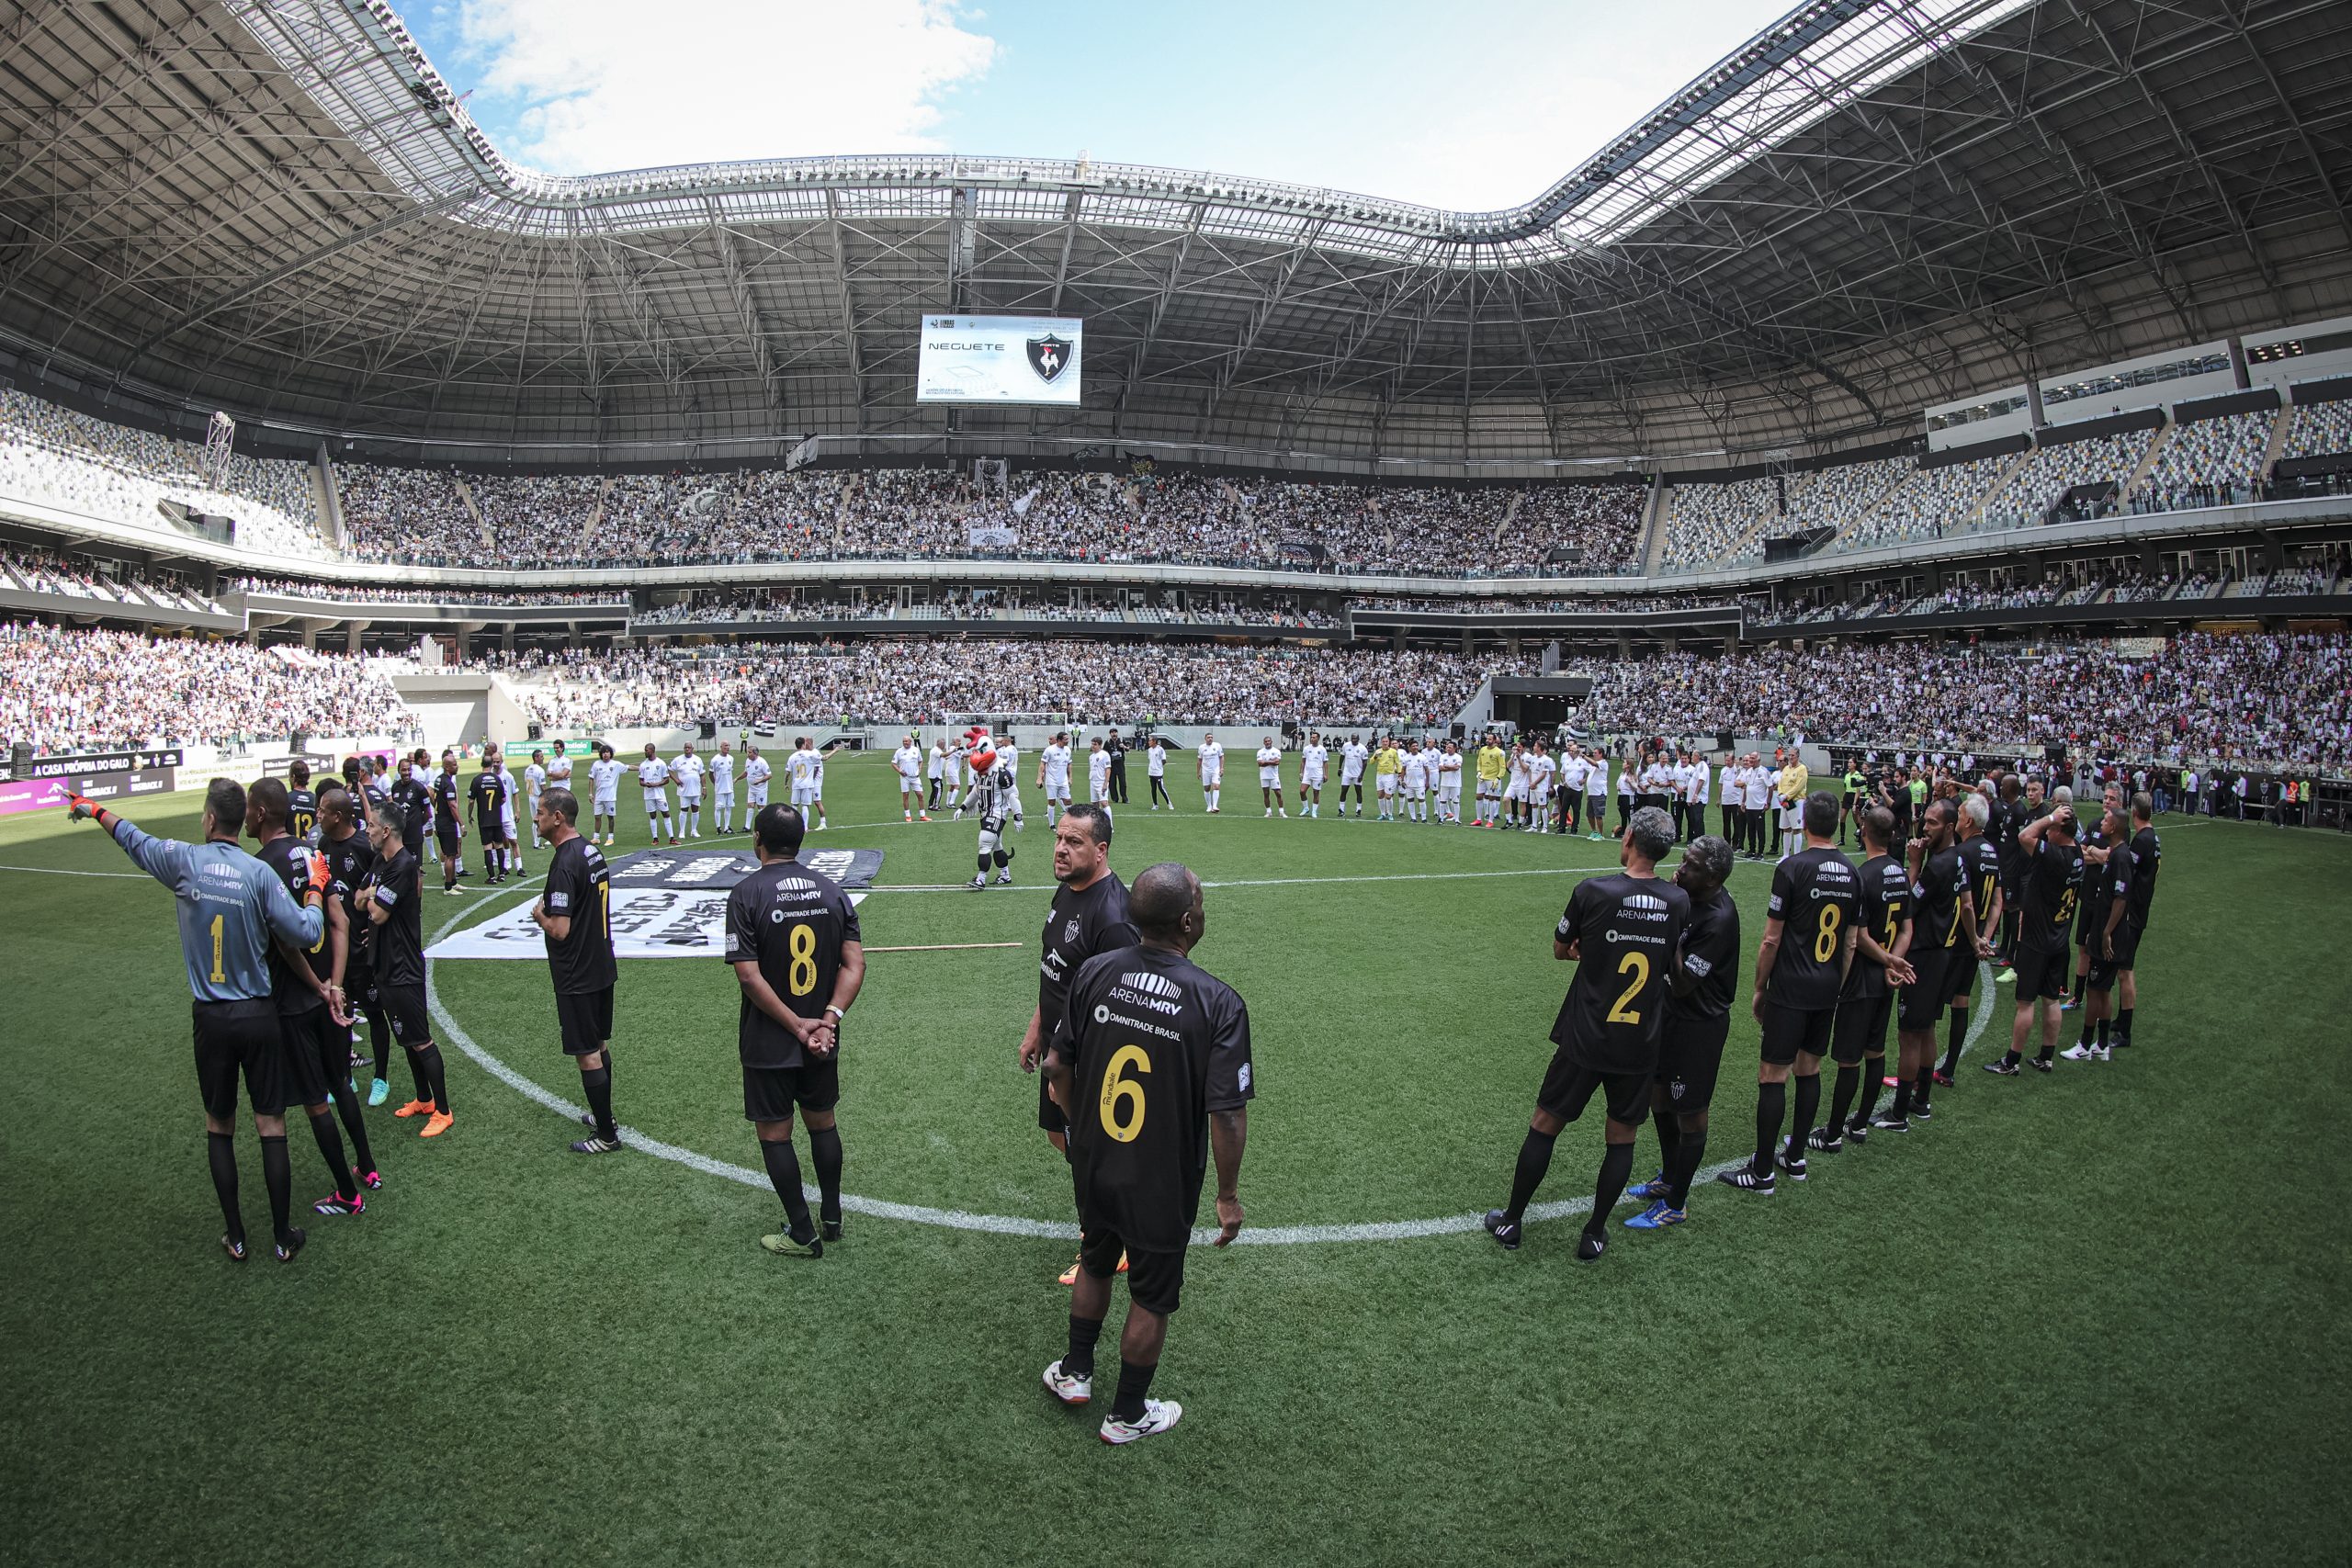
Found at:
<point>277,206</point>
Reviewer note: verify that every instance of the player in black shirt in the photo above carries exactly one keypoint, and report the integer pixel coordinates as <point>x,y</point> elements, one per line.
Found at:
<point>1691,1041</point>
<point>301,804</point>
<point>1815,902</point>
<point>1884,931</point>
<point>575,915</point>
<point>793,939</point>
<point>486,799</point>
<point>449,820</point>
<point>396,945</point>
<point>350,860</point>
<point>1152,1053</point>
<point>312,1025</point>
<point>1945,947</point>
<point>2092,911</point>
<point>1980,862</point>
<point>1089,915</point>
<point>412,793</point>
<point>2050,885</point>
<point>1623,932</point>
<point>2147,859</point>
<point>2106,898</point>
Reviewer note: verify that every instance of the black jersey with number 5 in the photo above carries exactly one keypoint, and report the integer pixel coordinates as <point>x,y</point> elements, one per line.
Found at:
<point>1627,930</point>
<point>580,887</point>
<point>1816,896</point>
<point>1886,904</point>
<point>1160,1043</point>
<point>792,921</point>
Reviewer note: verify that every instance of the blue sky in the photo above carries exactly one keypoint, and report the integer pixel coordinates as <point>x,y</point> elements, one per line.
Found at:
<point>1470,106</point>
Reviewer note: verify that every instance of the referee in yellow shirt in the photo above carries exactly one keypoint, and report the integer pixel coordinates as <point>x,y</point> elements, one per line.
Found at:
<point>1385,765</point>
<point>1791,785</point>
<point>1492,764</point>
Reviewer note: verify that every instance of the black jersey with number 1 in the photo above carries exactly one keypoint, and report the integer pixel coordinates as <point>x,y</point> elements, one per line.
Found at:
<point>1885,904</point>
<point>1816,896</point>
<point>1627,930</point>
<point>579,886</point>
<point>1158,1045</point>
<point>792,921</point>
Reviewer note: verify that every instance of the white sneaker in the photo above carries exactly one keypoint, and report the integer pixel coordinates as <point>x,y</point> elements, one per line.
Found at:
<point>2077,1052</point>
<point>2102,1053</point>
<point>1270,813</point>
<point>1283,814</point>
<point>1159,1415</point>
<point>1068,1387</point>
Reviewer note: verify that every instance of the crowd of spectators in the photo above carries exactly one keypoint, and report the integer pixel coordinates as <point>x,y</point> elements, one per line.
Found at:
<point>342,594</point>
<point>78,577</point>
<point>70,689</point>
<point>54,457</point>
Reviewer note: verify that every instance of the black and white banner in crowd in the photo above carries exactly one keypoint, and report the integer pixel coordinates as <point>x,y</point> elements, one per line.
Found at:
<point>665,904</point>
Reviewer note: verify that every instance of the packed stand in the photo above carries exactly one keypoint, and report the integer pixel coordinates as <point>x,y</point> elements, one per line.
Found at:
<point>284,588</point>
<point>68,689</point>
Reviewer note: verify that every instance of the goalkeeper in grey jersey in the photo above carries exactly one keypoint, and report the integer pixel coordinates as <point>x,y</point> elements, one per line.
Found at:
<point>993,795</point>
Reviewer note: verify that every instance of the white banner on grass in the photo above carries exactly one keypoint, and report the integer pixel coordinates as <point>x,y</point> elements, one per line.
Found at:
<point>648,922</point>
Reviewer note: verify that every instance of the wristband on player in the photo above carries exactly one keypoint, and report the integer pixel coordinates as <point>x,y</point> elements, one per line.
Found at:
<point>837,1012</point>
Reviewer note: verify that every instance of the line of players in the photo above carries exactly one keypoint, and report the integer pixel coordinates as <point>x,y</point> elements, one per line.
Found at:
<point>1846,950</point>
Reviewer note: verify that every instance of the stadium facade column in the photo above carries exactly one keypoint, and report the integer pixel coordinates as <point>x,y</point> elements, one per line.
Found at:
<point>351,636</point>
<point>506,638</point>
<point>1469,643</point>
<point>2240,375</point>
<point>1624,645</point>
<point>1396,639</point>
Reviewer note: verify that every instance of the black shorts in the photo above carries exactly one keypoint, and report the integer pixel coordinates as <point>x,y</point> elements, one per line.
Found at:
<point>1860,1029</point>
<point>2126,946</point>
<point>2041,976</point>
<point>449,842</point>
<point>1691,1050</point>
<point>1568,1086</point>
<point>1960,973</point>
<point>2100,975</point>
<point>1049,1115</point>
<point>1791,1030</point>
<point>586,1021</point>
<point>770,1094</point>
<point>493,834</point>
<point>1155,1280</point>
<point>234,1038</point>
<point>1922,1005</point>
<point>318,1056</point>
<point>405,1010</point>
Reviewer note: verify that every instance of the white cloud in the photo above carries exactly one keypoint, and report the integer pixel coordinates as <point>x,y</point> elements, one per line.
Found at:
<point>610,85</point>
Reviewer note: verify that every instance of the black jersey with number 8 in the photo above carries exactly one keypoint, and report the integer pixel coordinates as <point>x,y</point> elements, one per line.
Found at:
<point>792,921</point>
<point>1816,896</point>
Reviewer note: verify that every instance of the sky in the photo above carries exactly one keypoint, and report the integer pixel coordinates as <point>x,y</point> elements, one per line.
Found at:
<point>1471,106</point>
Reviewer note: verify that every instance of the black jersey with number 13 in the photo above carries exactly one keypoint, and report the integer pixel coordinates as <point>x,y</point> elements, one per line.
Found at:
<point>1816,896</point>
<point>1626,928</point>
<point>792,921</point>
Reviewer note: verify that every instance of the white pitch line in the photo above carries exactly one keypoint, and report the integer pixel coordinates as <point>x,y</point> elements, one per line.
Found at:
<point>1009,1224</point>
<point>60,871</point>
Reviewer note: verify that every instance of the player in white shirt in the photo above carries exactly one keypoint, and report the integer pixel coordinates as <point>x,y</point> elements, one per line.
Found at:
<point>817,783</point>
<point>1701,777</point>
<point>535,781</point>
<point>1053,776</point>
<point>1756,802</point>
<point>512,865</point>
<point>1355,757</point>
<point>1515,788</point>
<point>1595,792</point>
<point>688,771</point>
<point>1270,776</point>
<point>1449,784</point>
<point>1312,761</point>
<point>757,770</point>
<point>908,762</point>
<point>653,777</point>
<point>1540,771</point>
<point>1416,780</point>
<point>1212,768</point>
<point>1572,774</point>
<point>1098,773</point>
<point>937,767</point>
<point>1155,767</point>
<point>722,788</point>
<point>800,773</point>
<point>604,781</point>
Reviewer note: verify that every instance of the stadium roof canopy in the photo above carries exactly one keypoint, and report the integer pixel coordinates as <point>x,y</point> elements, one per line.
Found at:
<point>276,207</point>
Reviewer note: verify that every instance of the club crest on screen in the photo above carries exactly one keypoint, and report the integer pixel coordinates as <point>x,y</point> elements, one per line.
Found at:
<point>1049,355</point>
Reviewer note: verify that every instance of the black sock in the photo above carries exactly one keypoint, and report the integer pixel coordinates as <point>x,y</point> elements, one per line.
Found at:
<point>596,1083</point>
<point>2123,1026</point>
<point>428,1057</point>
<point>825,1149</point>
<point>784,1175</point>
<point>1134,1383</point>
<point>1808,1102</point>
<point>1079,1360</point>
<point>380,1041</point>
<point>1920,1084</point>
<point>1670,1134</point>
<point>2081,979</point>
<point>220,1148</point>
<point>355,1124</point>
<point>2010,1058</point>
<point>2048,1050</point>
<point>416,1070</point>
<point>1771,1105</point>
<point>1534,1159</point>
<point>1616,1165</point>
<point>2102,1035</point>
<point>1687,1155</point>
<point>330,1144</point>
<point>1873,1071</point>
<point>1902,1099</point>
<point>277,1174</point>
<point>1841,1096</point>
<point>1955,1040</point>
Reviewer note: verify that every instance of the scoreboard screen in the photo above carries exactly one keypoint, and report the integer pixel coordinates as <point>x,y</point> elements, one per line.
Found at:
<point>1000,359</point>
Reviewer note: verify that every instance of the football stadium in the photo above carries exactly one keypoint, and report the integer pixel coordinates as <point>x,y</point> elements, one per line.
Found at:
<point>782,800</point>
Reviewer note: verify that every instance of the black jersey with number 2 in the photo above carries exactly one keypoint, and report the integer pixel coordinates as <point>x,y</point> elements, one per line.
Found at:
<point>1627,930</point>
<point>1816,896</point>
<point>579,886</point>
<point>1942,889</point>
<point>1157,1043</point>
<point>792,921</point>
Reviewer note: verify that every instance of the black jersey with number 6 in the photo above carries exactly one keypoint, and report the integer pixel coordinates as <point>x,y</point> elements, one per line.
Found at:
<point>579,886</point>
<point>1816,896</point>
<point>1156,1044</point>
<point>1886,904</point>
<point>792,921</point>
<point>1627,930</point>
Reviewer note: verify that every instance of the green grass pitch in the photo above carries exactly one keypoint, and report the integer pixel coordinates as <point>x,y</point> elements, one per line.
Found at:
<point>2093,1317</point>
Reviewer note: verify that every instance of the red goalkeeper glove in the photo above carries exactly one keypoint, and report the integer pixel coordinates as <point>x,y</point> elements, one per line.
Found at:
<point>319,874</point>
<point>81,807</point>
